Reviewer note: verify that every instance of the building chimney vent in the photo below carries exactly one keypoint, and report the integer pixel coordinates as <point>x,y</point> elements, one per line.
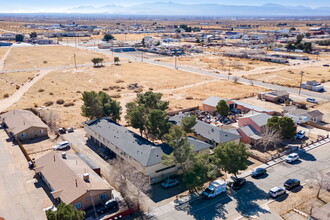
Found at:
<point>64,155</point>
<point>86,177</point>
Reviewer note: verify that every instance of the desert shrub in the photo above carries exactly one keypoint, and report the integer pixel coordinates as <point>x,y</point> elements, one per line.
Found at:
<point>122,87</point>
<point>68,104</point>
<point>17,87</point>
<point>35,105</point>
<point>119,81</point>
<point>78,91</point>
<point>322,81</point>
<point>45,61</point>
<point>151,89</point>
<point>116,96</point>
<point>118,90</point>
<point>60,101</point>
<point>105,89</point>
<point>41,90</point>
<point>138,90</point>
<point>48,103</point>
<point>6,95</point>
<point>189,98</point>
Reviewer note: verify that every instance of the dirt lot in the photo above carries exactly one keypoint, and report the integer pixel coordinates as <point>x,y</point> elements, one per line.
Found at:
<point>193,96</point>
<point>325,109</point>
<point>48,56</point>
<point>292,77</point>
<point>3,51</point>
<point>67,85</point>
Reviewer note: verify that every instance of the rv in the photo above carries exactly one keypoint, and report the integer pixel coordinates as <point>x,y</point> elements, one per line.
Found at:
<point>215,188</point>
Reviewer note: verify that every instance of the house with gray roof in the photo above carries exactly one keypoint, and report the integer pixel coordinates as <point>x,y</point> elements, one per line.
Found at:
<point>144,155</point>
<point>294,113</point>
<point>212,133</point>
<point>254,119</point>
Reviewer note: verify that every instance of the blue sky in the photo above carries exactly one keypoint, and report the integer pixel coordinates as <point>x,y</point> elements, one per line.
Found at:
<point>59,5</point>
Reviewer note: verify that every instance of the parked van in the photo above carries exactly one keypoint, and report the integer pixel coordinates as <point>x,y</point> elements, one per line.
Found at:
<point>215,188</point>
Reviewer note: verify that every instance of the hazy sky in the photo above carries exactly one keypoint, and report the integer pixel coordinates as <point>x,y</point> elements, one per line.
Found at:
<point>58,5</point>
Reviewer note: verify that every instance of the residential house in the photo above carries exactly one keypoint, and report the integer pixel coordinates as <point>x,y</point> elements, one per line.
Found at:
<point>254,119</point>
<point>274,96</point>
<point>23,124</point>
<point>210,104</point>
<point>313,86</point>
<point>302,115</point>
<point>71,180</point>
<point>144,155</point>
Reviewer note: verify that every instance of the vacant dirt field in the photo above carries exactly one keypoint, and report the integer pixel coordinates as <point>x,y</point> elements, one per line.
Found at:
<point>9,81</point>
<point>68,85</point>
<point>193,96</point>
<point>3,51</point>
<point>133,37</point>
<point>325,109</point>
<point>292,77</point>
<point>48,56</point>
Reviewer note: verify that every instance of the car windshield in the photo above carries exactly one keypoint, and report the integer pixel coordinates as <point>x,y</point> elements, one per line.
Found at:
<point>290,156</point>
<point>258,170</point>
<point>209,191</point>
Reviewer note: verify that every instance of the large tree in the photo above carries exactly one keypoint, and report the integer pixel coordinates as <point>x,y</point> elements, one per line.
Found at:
<point>231,157</point>
<point>65,212</point>
<point>97,105</point>
<point>284,125</point>
<point>19,38</point>
<point>108,37</point>
<point>269,137</point>
<point>136,116</point>
<point>222,108</point>
<point>157,123</point>
<point>152,100</point>
<point>187,123</point>
<point>97,61</point>
<point>182,152</point>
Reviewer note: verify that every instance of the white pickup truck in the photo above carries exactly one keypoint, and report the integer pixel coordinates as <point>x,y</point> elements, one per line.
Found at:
<point>215,188</point>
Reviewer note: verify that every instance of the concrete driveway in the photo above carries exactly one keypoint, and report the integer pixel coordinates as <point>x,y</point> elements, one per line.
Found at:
<point>21,198</point>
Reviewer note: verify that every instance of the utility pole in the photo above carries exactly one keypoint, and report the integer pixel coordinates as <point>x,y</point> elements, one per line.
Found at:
<point>175,62</point>
<point>228,70</point>
<point>142,55</point>
<point>301,77</point>
<point>75,61</point>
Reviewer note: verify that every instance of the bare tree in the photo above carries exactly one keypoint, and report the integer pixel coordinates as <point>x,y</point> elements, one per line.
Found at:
<point>251,82</point>
<point>320,181</point>
<point>50,118</point>
<point>130,182</point>
<point>269,137</point>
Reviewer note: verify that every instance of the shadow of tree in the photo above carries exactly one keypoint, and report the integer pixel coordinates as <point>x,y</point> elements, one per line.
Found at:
<point>203,209</point>
<point>247,198</point>
<point>306,156</point>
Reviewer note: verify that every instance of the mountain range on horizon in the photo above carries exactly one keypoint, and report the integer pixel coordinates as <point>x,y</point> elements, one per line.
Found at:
<point>177,9</point>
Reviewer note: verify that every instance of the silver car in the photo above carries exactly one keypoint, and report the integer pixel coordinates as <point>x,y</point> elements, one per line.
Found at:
<point>169,183</point>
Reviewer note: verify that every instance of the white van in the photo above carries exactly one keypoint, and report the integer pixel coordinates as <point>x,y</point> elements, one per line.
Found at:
<point>215,188</point>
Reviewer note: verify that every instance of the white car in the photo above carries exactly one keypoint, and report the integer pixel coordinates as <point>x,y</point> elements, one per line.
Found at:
<point>61,145</point>
<point>169,183</point>
<point>300,134</point>
<point>50,208</point>
<point>292,157</point>
<point>276,192</point>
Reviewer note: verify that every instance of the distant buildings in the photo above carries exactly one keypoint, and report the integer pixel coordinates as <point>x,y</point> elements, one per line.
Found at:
<point>274,96</point>
<point>313,86</point>
<point>302,115</point>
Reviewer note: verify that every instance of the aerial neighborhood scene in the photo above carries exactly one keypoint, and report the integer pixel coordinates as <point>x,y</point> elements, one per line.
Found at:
<point>176,110</point>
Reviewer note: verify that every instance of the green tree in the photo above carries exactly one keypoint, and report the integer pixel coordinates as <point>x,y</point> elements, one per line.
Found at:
<point>152,100</point>
<point>290,46</point>
<point>187,123</point>
<point>231,157</point>
<point>136,116</point>
<point>97,105</point>
<point>97,61</point>
<point>157,123</point>
<point>300,37</point>
<point>108,37</point>
<point>33,34</point>
<point>182,150</point>
<point>116,60</point>
<point>222,108</point>
<point>284,125</point>
<point>308,47</point>
<point>65,212</point>
<point>19,38</point>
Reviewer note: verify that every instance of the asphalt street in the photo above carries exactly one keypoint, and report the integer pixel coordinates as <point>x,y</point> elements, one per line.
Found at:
<point>252,198</point>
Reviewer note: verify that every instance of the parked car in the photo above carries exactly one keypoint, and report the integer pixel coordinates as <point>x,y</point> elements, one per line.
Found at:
<point>312,100</point>
<point>258,172</point>
<point>292,157</point>
<point>169,183</point>
<point>276,191</point>
<point>291,184</point>
<point>326,65</point>
<point>62,130</point>
<point>238,183</point>
<point>70,130</point>
<point>61,145</point>
<point>109,205</point>
<point>50,208</point>
<point>215,188</point>
<point>300,134</point>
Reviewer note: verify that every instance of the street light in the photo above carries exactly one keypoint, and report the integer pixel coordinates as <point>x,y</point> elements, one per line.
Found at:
<point>301,77</point>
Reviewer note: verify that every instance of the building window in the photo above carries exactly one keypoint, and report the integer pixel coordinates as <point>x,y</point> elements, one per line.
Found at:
<point>77,205</point>
<point>103,196</point>
<point>23,134</point>
<point>41,131</point>
<point>31,131</point>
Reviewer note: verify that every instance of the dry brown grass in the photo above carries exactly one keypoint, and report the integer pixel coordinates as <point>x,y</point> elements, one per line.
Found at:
<point>41,56</point>
<point>3,51</point>
<point>224,89</point>
<point>292,77</point>
<point>6,88</point>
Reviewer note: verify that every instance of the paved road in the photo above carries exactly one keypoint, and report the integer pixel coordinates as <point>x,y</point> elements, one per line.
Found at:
<point>203,72</point>
<point>252,199</point>
<point>20,197</point>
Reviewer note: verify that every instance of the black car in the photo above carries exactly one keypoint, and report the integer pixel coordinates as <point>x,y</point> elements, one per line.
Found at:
<point>238,183</point>
<point>291,184</point>
<point>109,205</point>
<point>258,172</point>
